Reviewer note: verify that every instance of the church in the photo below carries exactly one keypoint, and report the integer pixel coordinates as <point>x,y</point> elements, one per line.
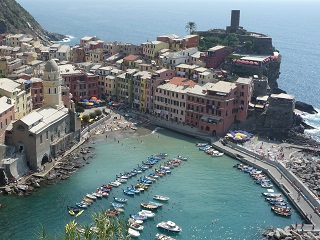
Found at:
<point>41,135</point>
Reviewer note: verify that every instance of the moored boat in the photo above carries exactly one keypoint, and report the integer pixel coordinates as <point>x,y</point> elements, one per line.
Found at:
<point>201,144</point>
<point>156,204</point>
<point>182,158</point>
<point>123,200</point>
<point>147,213</point>
<point>88,195</point>
<point>271,195</point>
<point>119,205</point>
<point>169,226</point>
<point>81,205</point>
<point>160,236</point>
<point>160,198</point>
<point>133,233</point>
<point>149,206</point>
<point>138,217</point>
<point>137,226</point>
<point>115,184</point>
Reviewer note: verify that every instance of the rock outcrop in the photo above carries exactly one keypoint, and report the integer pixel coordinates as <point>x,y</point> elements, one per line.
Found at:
<point>15,19</point>
<point>305,107</point>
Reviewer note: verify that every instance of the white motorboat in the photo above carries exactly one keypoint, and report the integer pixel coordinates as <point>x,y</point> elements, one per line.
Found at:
<point>169,226</point>
<point>217,154</point>
<point>137,226</point>
<point>115,184</point>
<point>133,233</point>
<point>147,213</point>
<point>161,198</point>
<point>160,236</point>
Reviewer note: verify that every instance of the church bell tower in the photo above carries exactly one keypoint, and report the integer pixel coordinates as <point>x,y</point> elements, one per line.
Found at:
<point>52,85</point>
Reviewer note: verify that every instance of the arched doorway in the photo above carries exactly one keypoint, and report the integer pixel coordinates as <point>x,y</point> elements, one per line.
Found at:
<point>214,133</point>
<point>207,128</point>
<point>45,159</point>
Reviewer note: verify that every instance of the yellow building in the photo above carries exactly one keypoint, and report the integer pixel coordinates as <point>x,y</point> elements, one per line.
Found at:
<point>151,49</point>
<point>16,91</point>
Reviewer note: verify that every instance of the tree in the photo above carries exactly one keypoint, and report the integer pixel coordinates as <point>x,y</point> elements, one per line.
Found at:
<point>232,39</point>
<point>191,27</point>
<point>85,118</point>
<point>92,115</point>
<point>102,228</point>
<point>79,109</point>
<point>97,112</point>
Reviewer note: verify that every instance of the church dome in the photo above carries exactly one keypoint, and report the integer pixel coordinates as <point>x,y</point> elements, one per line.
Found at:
<point>51,66</point>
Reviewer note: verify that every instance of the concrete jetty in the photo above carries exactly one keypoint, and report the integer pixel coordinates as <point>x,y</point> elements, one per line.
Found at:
<point>299,194</point>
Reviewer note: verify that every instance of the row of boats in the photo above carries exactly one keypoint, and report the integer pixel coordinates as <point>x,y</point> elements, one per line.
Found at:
<point>118,204</point>
<point>278,204</point>
<point>208,149</point>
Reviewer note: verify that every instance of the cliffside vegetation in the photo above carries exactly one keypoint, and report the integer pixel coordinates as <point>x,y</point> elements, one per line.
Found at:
<point>15,19</point>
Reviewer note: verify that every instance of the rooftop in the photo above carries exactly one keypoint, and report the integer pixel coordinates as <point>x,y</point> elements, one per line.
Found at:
<point>9,85</point>
<point>244,80</point>
<point>4,105</point>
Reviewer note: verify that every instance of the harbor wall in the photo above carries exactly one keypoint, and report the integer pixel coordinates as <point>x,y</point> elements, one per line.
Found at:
<point>263,164</point>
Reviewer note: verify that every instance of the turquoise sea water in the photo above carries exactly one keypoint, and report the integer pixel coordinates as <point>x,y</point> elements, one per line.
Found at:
<point>209,198</point>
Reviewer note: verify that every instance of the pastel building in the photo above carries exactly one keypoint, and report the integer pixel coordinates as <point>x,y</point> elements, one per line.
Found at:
<point>176,43</point>
<point>215,56</point>
<point>171,59</point>
<point>157,78</point>
<point>107,82</point>
<point>139,89</point>
<point>214,107</point>
<point>150,49</point>
<point>16,92</point>
<point>171,99</point>
<point>125,86</point>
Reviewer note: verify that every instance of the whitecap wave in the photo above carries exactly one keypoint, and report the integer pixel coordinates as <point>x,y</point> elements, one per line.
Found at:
<point>314,121</point>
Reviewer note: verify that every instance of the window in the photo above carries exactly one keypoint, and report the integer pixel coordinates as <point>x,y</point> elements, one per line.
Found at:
<point>40,139</point>
<point>47,135</point>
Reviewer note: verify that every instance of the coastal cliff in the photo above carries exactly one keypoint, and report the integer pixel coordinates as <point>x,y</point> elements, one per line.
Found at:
<point>15,19</point>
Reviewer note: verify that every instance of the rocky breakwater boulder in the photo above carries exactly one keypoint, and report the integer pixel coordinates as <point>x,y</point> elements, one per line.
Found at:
<point>307,168</point>
<point>305,107</point>
<point>288,233</point>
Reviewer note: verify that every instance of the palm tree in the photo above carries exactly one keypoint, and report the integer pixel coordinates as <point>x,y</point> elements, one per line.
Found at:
<point>102,228</point>
<point>191,27</point>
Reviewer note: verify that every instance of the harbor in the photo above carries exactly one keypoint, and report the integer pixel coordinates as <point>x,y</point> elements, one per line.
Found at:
<point>210,198</point>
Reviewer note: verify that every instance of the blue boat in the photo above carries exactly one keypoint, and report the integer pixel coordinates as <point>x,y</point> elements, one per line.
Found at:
<point>156,204</point>
<point>136,191</point>
<point>118,205</point>
<point>123,200</point>
<point>205,148</point>
<point>81,205</point>
<point>153,175</point>
<point>128,192</point>
<point>138,217</point>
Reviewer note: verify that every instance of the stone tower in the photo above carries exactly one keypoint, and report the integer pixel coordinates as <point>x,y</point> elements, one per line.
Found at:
<point>235,21</point>
<point>52,85</point>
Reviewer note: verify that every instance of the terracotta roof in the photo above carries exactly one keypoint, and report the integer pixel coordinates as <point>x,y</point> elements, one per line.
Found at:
<point>182,81</point>
<point>131,57</point>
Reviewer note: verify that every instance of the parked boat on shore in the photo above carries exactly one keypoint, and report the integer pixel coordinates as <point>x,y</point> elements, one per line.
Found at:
<point>160,236</point>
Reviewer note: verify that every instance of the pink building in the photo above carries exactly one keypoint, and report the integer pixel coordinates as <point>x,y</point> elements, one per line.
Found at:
<point>158,77</point>
<point>215,56</point>
<point>171,97</point>
<point>214,107</point>
<point>6,115</point>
